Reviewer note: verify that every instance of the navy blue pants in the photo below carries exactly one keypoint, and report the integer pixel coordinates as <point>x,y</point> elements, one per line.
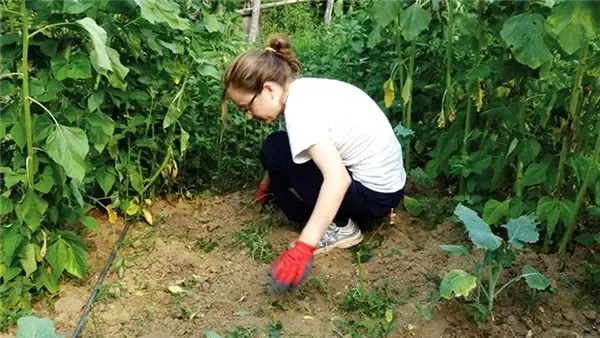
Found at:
<point>360,203</point>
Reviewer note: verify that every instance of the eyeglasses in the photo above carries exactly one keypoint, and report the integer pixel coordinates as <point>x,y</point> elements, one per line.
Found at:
<point>247,107</point>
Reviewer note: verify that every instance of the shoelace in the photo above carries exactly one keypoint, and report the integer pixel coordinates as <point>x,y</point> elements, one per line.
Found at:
<point>332,230</point>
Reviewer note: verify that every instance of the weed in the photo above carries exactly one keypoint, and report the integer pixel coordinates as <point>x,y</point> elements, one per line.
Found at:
<point>204,245</point>
<point>255,238</point>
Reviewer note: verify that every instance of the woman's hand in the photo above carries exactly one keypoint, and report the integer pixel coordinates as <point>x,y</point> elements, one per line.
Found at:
<point>264,189</point>
<point>291,268</point>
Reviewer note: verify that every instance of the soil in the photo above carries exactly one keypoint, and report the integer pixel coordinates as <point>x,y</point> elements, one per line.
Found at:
<point>169,287</point>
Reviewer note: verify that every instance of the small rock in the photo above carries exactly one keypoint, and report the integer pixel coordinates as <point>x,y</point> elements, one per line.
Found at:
<point>528,323</point>
<point>138,243</point>
<point>69,305</point>
<point>159,244</point>
<point>152,284</point>
<point>590,314</point>
<point>569,316</point>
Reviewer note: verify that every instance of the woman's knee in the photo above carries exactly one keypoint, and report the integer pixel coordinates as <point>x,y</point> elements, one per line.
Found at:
<point>275,150</point>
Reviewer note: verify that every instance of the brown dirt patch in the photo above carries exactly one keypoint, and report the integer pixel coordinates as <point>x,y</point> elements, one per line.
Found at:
<point>225,288</point>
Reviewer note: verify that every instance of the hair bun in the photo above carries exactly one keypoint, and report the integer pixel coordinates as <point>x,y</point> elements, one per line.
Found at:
<point>279,43</point>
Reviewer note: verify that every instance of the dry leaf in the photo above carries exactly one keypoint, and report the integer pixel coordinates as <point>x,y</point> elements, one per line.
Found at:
<point>388,93</point>
<point>176,289</point>
<point>139,293</point>
<point>147,216</point>
<point>112,215</point>
<point>307,317</point>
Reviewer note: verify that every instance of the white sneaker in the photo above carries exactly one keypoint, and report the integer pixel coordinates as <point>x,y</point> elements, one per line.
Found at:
<point>339,237</point>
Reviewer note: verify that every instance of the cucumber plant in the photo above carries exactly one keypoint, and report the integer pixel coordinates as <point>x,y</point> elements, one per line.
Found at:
<point>499,255</point>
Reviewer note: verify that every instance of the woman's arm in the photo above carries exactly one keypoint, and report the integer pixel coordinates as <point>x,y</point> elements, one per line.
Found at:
<point>336,181</point>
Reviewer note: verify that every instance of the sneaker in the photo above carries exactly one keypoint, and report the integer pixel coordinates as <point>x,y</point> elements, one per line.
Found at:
<point>339,237</point>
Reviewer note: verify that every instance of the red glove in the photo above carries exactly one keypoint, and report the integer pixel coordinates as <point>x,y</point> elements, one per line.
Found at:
<point>292,267</point>
<point>262,194</point>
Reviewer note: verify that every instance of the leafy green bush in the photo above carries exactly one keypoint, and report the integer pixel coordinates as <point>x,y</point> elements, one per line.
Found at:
<point>102,105</point>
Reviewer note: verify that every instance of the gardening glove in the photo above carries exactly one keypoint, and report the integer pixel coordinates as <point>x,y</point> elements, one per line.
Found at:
<point>292,267</point>
<point>262,194</point>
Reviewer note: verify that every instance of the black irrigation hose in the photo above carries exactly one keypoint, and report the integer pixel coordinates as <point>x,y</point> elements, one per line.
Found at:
<point>94,293</point>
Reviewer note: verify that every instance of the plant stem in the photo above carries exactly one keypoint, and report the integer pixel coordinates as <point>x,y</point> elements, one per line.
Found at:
<point>522,132</point>
<point>505,285</point>
<point>49,26</point>
<point>573,117</point>
<point>159,170</point>
<point>579,200</point>
<point>44,108</point>
<point>493,279</point>
<point>25,93</point>
<point>407,122</point>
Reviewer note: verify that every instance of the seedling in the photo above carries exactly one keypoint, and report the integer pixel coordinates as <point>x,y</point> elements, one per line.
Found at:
<point>255,238</point>
<point>498,255</point>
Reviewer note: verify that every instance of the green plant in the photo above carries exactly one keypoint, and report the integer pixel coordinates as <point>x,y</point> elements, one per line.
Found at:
<point>498,256</point>
<point>34,327</point>
<point>95,97</point>
<point>255,238</point>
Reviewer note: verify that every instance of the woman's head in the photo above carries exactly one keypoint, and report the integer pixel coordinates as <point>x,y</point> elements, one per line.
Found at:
<point>257,81</point>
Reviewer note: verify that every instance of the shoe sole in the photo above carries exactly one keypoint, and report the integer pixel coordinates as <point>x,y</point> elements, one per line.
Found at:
<point>343,244</point>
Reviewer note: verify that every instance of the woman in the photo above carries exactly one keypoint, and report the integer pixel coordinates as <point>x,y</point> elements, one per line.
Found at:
<point>336,161</point>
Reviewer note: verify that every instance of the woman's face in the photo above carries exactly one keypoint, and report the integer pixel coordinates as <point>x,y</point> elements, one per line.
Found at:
<point>265,105</point>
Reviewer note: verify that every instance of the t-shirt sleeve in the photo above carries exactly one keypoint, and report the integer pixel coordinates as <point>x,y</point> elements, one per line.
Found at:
<point>306,125</point>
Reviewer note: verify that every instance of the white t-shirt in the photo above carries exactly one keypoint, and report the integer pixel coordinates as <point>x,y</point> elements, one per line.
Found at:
<point>318,109</point>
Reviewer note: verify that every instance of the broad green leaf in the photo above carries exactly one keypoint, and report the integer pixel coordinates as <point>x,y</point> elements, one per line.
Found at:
<point>528,151</point>
<point>522,230</point>
<point>402,131</point>
<point>494,211</point>
<point>103,128</point>
<point>89,222</point>
<point>115,61</point>
<point>27,259</point>
<point>6,88</point>
<point>212,24</point>
<point>388,93</point>
<point>172,115</point>
<point>209,71</point>
<point>46,181</point>
<point>34,327</point>
<point>534,279</point>
<point>99,38</point>
<point>574,23</point>
<point>68,146</point>
<point>57,256</point>
<point>384,12</point>
<point>32,209</point>
<point>158,11</point>
<point>136,181</point>
<point>77,67</point>
<point>77,6</point>
<point>536,173</point>
<point>413,206</point>
<point>212,334</point>
<point>76,188</point>
<point>460,250</point>
<point>13,177</point>
<point>185,137</point>
<point>10,243</point>
<point>95,100</point>
<point>479,232</point>
<point>105,179</point>
<point>17,133</point>
<point>524,35</point>
<point>49,281</point>
<point>457,283</point>
<point>597,193</point>
<point>549,210</point>
<point>76,266</point>
<point>413,21</point>
<point>6,205</point>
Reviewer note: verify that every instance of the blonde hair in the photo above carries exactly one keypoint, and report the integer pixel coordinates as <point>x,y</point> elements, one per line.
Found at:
<point>250,70</point>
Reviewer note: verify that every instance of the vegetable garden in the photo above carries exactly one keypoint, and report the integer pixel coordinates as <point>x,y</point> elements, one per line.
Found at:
<point>110,119</point>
